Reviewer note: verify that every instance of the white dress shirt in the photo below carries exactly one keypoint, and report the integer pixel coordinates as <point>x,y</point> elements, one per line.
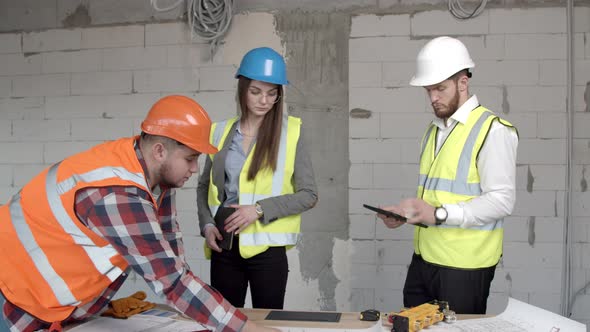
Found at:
<point>497,171</point>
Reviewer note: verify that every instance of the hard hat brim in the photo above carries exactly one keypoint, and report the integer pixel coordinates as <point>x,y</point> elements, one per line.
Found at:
<point>205,148</point>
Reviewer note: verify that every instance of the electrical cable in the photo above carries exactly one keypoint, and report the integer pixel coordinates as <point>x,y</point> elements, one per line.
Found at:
<point>208,19</point>
<point>165,9</point>
<point>456,8</point>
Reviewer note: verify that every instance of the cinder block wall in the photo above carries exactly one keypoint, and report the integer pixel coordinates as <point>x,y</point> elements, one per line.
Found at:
<point>64,90</point>
<point>520,73</point>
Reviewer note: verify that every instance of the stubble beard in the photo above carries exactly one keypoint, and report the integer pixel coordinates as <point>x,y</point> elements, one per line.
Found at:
<point>164,181</point>
<point>448,110</point>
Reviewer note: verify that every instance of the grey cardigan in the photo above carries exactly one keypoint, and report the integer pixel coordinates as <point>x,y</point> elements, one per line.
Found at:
<point>304,198</point>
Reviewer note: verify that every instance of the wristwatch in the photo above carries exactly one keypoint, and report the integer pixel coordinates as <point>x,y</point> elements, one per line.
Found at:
<point>440,215</point>
<point>258,210</point>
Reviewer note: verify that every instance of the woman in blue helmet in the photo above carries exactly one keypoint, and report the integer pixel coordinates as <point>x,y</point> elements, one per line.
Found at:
<point>263,176</point>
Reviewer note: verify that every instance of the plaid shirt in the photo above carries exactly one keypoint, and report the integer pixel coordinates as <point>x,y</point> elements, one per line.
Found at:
<point>151,242</point>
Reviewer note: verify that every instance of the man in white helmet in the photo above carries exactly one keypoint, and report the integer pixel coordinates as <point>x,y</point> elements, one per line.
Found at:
<point>466,186</point>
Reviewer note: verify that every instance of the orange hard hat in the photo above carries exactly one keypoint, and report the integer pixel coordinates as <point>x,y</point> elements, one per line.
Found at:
<point>182,119</point>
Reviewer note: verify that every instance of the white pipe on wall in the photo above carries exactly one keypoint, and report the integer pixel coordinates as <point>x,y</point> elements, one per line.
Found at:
<point>566,280</point>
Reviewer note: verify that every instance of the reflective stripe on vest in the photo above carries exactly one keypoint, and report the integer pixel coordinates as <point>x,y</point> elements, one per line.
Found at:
<point>58,286</point>
<point>257,237</point>
<point>450,245</point>
<point>219,131</point>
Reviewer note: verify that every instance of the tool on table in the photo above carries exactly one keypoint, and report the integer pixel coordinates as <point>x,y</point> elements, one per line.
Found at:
<point>370,315</point>
<point>419,317</point>
<point>443,306</point>
<point>128,306</point>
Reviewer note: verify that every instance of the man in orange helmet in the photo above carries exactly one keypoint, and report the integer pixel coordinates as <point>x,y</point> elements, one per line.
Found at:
<point>70,237</point>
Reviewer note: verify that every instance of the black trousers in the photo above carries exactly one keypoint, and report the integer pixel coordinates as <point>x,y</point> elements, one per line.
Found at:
<point>466,291</point>
<point>266,273</point>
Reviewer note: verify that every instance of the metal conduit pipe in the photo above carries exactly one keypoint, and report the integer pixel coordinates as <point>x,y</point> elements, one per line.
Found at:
<point>566,280</point>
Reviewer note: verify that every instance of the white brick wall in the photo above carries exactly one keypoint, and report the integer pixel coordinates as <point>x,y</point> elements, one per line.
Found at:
<point>101,83</point>
<point>373,25</point>
<point>168,34</point>
<point>79,83</point>
<point>441,23</point>
<point>66,90</point>
<point>127,58</point>
<point>517,20</point>
<point>20,64</point>
<point>520,69</point>
<point>107,37</point>
<point>10,42</point>
<point>165,80</point>
<point>71,62</point>
<point>41,85</point>
<point>5,86</point>
<point>52,40</point>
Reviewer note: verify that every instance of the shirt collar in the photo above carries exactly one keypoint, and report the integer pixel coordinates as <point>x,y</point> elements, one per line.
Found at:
<point>239,127</point>
<point>460,115</point>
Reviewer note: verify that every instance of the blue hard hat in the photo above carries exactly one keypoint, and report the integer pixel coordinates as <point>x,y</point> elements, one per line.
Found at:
<point>264,64</point>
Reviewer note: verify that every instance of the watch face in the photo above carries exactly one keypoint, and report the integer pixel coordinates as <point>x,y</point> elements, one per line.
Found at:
<point>441,213</point>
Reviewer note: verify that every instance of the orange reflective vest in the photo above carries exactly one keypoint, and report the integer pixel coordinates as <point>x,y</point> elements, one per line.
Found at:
<point>51,262</point>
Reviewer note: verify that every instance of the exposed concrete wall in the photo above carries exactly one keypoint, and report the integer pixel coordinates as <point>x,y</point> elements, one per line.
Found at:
<point>317,51</point>
<point>28,15</point>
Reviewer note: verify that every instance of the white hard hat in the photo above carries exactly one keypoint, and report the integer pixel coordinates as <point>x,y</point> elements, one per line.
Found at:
<point>440,59</point>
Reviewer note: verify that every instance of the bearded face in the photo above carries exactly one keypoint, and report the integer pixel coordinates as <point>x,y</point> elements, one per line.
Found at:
<point>445,97</point>
<point>443,109</point>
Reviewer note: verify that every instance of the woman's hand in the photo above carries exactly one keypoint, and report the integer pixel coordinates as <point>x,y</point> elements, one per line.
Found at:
<point>241,218</point>
<point>212,235</point>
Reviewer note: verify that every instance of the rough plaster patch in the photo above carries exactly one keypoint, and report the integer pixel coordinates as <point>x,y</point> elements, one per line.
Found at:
<point>583,182</point>
<point>531,224</point>
<point>79,18</point>
<point>530,180</point>
<point>341,266</point>
<point>315,258</point>
<point>359,113</point>
<point>248,31</point>
<point>505,105</point>
<point>587,97</point>
<point>316,48</point>
<point>300,291</point>
<point>509,281</point>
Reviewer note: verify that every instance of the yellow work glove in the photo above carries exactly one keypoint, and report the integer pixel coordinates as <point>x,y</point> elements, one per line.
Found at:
<point>128,306</point>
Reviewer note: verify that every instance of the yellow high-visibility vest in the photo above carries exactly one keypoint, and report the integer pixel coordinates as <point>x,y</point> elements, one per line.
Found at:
<point>258,237</point>
<point>450,177</point>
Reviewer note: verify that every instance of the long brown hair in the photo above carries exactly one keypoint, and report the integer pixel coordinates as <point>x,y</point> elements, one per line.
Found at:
<point>269,133</point>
